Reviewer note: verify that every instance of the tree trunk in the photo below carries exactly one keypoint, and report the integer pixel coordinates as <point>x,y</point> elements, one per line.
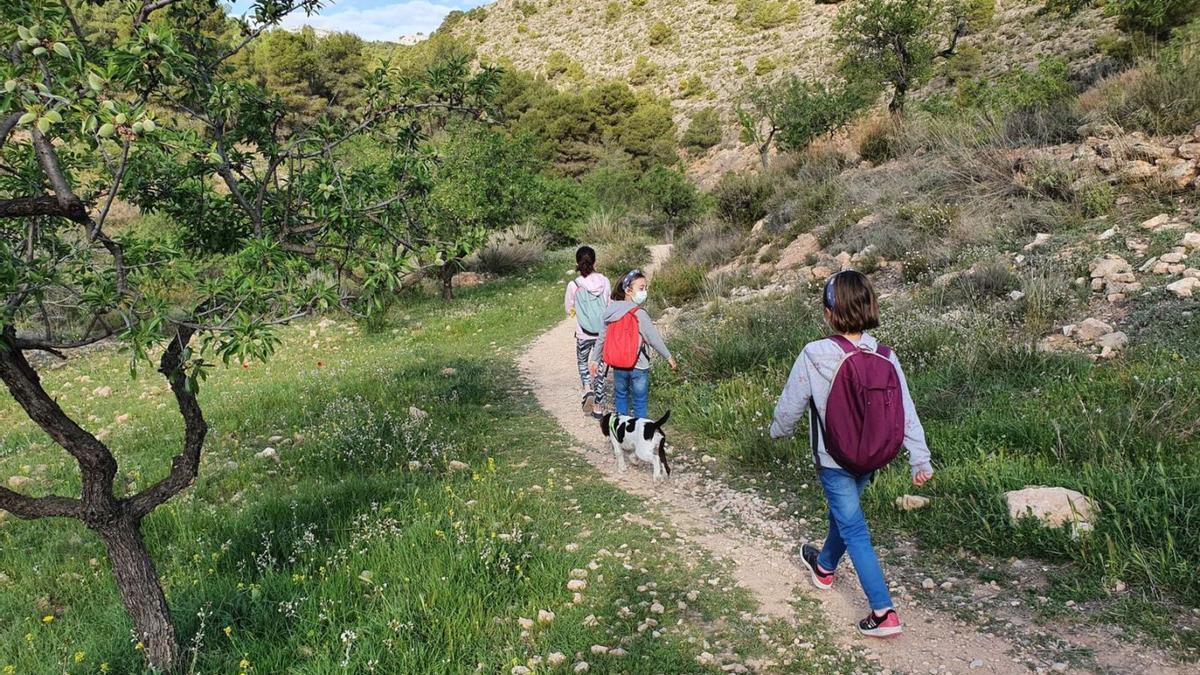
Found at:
<point>446,274</point>
<point>141,593</point>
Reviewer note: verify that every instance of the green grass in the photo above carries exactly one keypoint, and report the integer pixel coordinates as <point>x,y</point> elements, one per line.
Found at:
<point>999,417</point>
<point>361,549</point>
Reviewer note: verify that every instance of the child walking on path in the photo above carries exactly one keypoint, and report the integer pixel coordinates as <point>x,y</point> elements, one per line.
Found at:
<point>586,300</point>
<point>631,378</point>
<point>846,377</point>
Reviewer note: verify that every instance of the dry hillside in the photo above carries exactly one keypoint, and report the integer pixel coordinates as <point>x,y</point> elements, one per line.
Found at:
<point>700,53</point>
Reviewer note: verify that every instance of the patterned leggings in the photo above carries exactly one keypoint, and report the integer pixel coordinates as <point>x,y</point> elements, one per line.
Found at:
<point>583,353</point>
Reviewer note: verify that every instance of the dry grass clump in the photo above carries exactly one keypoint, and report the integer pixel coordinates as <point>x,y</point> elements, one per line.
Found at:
<point>513,250</point>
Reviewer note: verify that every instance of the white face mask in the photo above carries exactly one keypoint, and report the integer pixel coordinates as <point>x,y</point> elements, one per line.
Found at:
<point>640,296</point>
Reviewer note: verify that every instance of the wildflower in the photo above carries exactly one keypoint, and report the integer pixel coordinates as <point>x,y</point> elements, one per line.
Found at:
<point>49,618</point>
<point>104,667</point>
<point>228,631</point>
<point>80,656</point>
<point>9,670</point>
<point>139,646</point>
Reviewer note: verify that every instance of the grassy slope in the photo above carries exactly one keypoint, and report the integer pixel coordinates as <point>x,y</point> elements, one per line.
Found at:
<point>999,417</point>
<point>342,555</point>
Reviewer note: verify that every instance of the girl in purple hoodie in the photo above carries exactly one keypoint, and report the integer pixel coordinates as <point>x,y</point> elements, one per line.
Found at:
<point>586,300</point>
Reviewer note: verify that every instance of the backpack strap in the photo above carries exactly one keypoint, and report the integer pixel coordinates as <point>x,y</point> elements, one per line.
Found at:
<point>846,345</point>
<point>884,351</point>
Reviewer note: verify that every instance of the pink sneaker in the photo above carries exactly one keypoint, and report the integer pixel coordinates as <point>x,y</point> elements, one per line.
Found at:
<point>881,626</point>
<point>820,578</point>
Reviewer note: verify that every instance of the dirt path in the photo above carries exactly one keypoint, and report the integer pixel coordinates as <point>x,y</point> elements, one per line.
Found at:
<point>756,545</point>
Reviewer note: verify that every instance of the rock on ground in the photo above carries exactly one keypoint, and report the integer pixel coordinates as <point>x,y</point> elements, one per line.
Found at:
<point>1051,506</point>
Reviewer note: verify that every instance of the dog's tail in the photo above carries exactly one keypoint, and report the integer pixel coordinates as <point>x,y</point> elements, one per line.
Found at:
<point>662,453</point>
<point>658,424</point>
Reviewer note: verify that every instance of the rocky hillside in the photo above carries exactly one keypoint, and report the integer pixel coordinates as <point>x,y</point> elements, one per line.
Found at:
<point>701,53</point>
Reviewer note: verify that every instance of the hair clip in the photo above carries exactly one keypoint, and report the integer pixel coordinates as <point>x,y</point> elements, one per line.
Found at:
<point>629,277</point>
<point>829,290</point>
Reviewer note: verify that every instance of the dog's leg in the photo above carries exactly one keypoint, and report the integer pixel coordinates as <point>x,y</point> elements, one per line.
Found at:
<point>620,458</point>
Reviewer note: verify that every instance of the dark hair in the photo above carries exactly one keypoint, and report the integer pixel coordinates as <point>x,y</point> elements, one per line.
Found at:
<point>851,301</point>
<point>585,261</point>
<point>618,292</point>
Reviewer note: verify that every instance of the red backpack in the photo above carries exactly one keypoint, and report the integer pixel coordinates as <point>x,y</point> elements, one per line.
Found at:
<point>623,341</point>
<point>864,418</point>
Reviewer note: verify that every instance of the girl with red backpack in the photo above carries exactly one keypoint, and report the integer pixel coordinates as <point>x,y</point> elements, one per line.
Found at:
<point>586,300</point>
<point>622,345</point>
<point>860,414</point>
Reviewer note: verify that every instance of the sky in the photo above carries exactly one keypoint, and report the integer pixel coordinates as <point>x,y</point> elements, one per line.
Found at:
<point>376,19</point>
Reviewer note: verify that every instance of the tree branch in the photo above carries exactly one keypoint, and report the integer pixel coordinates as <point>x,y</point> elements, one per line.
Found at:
<point>32,508</point>
<point>44,205</point>
<point>96,463</point>
<point>186,465</point>
<point>7,126</point>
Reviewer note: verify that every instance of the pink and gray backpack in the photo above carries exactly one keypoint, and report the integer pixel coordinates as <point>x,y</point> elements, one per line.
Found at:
<point>864,418</point>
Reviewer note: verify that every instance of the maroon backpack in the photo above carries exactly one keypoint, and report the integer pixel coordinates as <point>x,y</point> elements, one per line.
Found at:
<point>864,418</point>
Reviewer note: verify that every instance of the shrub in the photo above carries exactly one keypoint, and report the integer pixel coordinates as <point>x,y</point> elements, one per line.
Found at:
<point>709,243</point>
<point>1155,18</point>
<point>931,219</point>
<point>741,200</point>
<point>612,12</point>
<point>618,258</point>
<point>1019,88</point>
<point>1096,199</point>
<point>613,187</point>
<point>660,33</point>
<point>988,280</point>
<point>879,138</point>
<point>513,250</point>
<point>764,14</point>
<point>704,131</point>
<point>1047,296</point>
<point>643,71</point>
<point>1163,96</point>
<point>678,282</point>
<point>669,195</point>
<point>558,63</point>
<point>691,87</point>
<point>764,65</point>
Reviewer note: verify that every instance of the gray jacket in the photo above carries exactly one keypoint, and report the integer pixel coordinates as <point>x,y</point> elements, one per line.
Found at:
<point>812,377</point>
<point>650,334</point>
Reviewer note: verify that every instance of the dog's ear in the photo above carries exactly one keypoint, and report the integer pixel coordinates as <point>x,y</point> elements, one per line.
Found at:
<point>604,424</point>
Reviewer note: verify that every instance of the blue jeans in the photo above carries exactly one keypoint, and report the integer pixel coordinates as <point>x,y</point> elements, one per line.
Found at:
<point>848,533</point>
<point>627,382</point>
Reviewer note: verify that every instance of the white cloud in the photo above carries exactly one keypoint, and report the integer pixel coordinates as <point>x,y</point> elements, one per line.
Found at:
<point>386,22</point>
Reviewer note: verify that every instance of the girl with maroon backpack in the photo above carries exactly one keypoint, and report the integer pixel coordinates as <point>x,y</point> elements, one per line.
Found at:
<point>623,345</point>
<point>860,414</point>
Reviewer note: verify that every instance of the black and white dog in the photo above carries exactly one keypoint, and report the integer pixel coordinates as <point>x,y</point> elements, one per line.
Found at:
<point>640,437</point>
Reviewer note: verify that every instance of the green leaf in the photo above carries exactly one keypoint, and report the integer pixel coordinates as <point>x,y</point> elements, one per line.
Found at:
<point>27,118</point>
<point>10,85</point>
<point>43,125</point>
<point>95,81</point>
<point>53,116</point>
<point>106,130</point>
<point>39,51</point>
<point>62,50</point>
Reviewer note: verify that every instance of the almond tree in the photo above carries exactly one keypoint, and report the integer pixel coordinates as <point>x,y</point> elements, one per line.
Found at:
<point>277,220</point>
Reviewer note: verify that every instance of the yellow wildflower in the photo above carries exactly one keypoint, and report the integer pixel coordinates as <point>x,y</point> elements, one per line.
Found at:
<point>49,618</point>
<point>104,667</point>
<point>9,670</point>
<point>80,656</point>
<point>140,646</point>
<point>228,631</point>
